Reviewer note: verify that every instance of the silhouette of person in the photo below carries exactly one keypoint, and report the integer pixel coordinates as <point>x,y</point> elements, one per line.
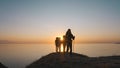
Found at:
<point>64,43</point>
<point>69,38</point>
<point>58,43</point>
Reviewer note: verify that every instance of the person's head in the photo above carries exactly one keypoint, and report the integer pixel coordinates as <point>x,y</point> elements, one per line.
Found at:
<point>56,38</point>
<point>64,36</point>
<point>69,30</point>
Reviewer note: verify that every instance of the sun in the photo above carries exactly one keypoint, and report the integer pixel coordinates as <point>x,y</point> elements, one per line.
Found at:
<point>61,46</point>
<point>61,38</point>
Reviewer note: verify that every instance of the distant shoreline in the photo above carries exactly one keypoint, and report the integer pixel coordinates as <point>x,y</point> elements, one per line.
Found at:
<point>53,43</point>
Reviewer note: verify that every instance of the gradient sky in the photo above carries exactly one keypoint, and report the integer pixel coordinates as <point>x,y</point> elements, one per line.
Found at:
<point>43,20</point>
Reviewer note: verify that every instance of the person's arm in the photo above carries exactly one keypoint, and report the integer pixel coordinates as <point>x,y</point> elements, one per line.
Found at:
<point>73,37</point>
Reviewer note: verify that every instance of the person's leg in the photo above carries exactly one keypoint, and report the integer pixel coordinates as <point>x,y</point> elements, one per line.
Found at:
<point>70,47</point>
<point>56,48</point>
<point>63,47</point>
<point>67,47</point>
<point>59,48</point>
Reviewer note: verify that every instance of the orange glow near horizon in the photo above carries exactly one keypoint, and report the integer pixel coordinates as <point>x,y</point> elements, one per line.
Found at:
<point>51,38</point>
<point>61,38</point>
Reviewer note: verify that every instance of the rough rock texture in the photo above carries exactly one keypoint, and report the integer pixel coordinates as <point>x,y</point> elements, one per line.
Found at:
<point>64,60</point>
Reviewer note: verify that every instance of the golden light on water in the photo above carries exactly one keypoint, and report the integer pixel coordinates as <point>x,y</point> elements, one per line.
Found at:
<point>61,38</point>
<point>61,48</point>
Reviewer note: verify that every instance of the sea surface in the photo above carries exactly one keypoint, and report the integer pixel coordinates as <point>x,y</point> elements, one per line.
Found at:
<point>21,55</point>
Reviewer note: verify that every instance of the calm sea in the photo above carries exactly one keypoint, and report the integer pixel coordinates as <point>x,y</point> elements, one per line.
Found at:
<point>20,55</point>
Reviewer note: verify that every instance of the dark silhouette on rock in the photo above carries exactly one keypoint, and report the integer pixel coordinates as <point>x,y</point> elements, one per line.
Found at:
<point>69,38</point>
<point>58,44</point>
<point>2,66</point>
<point>65,60</point>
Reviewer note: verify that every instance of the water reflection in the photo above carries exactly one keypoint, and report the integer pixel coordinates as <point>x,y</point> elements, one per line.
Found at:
<point>20,55</point>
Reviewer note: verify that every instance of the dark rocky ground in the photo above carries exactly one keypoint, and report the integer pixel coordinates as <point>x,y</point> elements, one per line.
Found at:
<point>2,66</point>
<point>64,60</point>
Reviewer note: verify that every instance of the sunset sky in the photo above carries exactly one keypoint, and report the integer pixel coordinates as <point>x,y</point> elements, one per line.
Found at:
<point>40,21</point>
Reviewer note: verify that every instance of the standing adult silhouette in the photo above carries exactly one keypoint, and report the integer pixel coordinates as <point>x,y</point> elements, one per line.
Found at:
<point>69,38</point>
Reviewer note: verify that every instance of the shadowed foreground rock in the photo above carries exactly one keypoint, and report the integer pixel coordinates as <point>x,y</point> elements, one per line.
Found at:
<point>2,66</point>
<point>60,60</point>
